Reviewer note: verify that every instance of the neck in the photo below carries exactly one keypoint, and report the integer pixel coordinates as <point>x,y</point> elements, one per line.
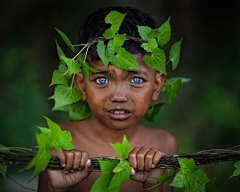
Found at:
<point>109,134</point>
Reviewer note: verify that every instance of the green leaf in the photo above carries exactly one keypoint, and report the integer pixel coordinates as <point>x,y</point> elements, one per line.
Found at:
<point>122,149</point>
<point>124,174</point>
<point>64,95</point>
<point>60,52</point>
<point>114,18</point>
<point>108,34</point>
<point>162,179</point>
<point>118,40</point>
<point>146,47</point>
<point>101,49</point>
<point>58,78</point>
<point>3,168</point>
<point>120,166</point>
<point>77,111</point>
<point>110,49</point>
<point>172,91</point>
<point>150,46</point>
<point>164,33</point>
<point>157,60</point>
<point>192,180</point>
<point>64,70</point>
<point>102,183</point>
<point>66,39</point>
<point>174,54</point>
<point>144,31</point>
<point>153,33</point>
<point>73,65</point>
<point>237,171</point>
<point>124,60</point>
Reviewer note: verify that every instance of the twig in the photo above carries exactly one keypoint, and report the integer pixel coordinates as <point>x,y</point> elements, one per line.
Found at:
<point>201,158</point>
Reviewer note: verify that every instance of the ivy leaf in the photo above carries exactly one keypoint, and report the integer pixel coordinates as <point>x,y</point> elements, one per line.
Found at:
<point>122,149</point>
<point>150,46</point>
<point>110,49</point>
<point>157,60</point>
<point>164,33</point>
<point>118,40</point>
<point>124,60</point>
<point>115,19</point>
<point>77,111</point>
<point>172,91</point>
<point>101,49</point>
<point>66,39</point>
<point>174,54</point>
<point>85,66</point>
<point>153,33</point>
<point>118,177</point>
<point>73,65</point>
<point>144,31</point>
<point>58,78</point>
<point>3,168</point>
<point>60,52</point>
<point>60,138</point>
<point>189,178</point>
<point>102,183</point>
<point>237,171</point>
<point>64,95</point>
<point>162,179</point>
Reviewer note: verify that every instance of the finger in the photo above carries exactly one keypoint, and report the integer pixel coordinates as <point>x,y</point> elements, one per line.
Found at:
<point>141,158</point>
<point>149,159</point>
<point>61,156</point>
<point>69,161</point>
<point>76,160</point>
<point>84,158</point>
<point>158,155</point>
<point>132,157</point>
<point>87,169</point>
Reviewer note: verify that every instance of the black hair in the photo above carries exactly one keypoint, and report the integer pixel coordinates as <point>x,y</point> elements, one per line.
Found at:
<point>94,26</point>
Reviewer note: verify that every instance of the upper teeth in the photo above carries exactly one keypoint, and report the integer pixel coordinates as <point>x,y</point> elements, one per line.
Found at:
<point>119,112</point>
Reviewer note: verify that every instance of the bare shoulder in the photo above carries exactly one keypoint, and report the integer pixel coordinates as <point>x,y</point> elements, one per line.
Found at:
<point>161,139</point>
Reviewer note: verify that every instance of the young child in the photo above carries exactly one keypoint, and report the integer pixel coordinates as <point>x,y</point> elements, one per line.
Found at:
<point>118,99</point>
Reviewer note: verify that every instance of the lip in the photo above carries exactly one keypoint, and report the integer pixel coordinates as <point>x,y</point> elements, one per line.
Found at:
<point>120,116</point>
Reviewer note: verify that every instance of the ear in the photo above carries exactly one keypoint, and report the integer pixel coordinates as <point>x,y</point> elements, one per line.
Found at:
<point>159,82</point>
<point>79,82</point>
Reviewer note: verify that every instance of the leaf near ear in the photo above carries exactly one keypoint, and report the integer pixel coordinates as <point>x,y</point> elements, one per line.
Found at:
<point>174,54</point>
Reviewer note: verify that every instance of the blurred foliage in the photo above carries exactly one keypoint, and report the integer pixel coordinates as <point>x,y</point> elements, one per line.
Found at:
<point>206,113</point>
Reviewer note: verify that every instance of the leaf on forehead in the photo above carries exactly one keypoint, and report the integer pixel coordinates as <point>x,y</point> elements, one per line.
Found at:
<point>153,33</point>
<point>73,65</point>
<point>64,95</point>
<point>110,49</point>
<point>144,31</point>
<point>118,40</point>
<point>102,52</point>
<point>85,66</point>
<point>115,18</point>
<point>156,60</point>
<point>174,54</point>
<point>66,39</point>
<point>124,60</point>
<point>164,33</point>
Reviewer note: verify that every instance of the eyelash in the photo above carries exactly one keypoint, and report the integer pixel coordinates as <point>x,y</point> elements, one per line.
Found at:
<point>141,80</point>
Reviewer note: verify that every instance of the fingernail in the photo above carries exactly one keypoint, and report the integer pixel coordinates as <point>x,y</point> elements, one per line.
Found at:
<point>153,165</point>
<point>132,171</point>
<point>66,172</point>
<point>89,163</point>
<point>63,165</point>
<point>79,169</point>
<point>72,171</point>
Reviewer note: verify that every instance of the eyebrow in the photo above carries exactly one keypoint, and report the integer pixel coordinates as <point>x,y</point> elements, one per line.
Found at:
<point>138,72</point>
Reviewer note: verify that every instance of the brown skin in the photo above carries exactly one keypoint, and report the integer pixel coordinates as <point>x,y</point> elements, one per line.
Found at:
<point>91,137</point>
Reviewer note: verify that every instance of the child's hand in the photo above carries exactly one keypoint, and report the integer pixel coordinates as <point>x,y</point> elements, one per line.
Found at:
<point>77,167</point>
<point>141,161</point>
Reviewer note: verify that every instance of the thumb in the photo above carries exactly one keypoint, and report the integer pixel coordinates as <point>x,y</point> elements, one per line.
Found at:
<point>87,169</point>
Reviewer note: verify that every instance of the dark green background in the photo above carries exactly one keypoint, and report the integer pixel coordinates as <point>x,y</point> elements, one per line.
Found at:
<point>206,113</point>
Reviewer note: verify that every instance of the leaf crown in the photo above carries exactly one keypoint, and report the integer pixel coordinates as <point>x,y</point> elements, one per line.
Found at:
<point>110,50</point>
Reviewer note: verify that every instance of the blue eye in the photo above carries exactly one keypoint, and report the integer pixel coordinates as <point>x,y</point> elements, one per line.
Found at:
<point>101,80</point>
<point>136,80</point>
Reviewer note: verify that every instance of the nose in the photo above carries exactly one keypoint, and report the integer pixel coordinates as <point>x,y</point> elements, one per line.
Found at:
<point>119,94</point>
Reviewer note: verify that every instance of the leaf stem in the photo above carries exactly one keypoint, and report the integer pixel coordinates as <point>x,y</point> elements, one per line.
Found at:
<point>66,72</point>
<point>80,51</point>
<point>72,80</point>
<point>168,61</point>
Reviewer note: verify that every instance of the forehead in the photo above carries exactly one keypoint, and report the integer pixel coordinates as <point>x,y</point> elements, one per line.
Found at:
<point>145,70</point>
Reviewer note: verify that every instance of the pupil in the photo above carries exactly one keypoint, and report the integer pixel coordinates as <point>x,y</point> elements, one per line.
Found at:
<point>102,80</point>
<point>136,80</point>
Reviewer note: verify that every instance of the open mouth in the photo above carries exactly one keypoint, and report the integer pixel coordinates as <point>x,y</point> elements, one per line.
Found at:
<point>119,115</point>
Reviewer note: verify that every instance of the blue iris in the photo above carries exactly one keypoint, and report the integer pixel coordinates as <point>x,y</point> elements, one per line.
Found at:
<point>101,80</point>
<point>136,80</point>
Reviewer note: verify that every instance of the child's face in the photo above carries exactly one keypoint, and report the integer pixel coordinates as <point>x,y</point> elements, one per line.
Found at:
<point>120,98</point>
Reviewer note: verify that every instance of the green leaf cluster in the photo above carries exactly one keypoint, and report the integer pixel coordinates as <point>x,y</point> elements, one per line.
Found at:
<point>193,180</point>
<point>52,137</point>
<point>113,173</point>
